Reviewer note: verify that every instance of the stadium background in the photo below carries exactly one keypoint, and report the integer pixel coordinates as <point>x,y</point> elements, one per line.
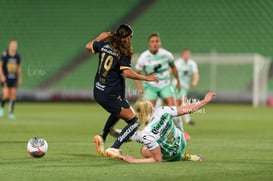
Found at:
<point>236,139</point>
<point>52,36</point>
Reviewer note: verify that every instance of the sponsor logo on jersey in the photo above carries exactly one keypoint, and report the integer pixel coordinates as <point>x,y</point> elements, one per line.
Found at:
<point>104,49</point>
<point>128,131</point>
<point>155,130</point>
<point>99,86</point>
<point>176,146</point>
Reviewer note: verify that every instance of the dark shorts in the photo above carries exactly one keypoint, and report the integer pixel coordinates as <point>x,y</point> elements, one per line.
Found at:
<point>10,83</point>
<point>112,104</point>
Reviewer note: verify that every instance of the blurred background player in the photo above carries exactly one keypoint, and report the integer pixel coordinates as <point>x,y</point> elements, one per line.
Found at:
<point>158,61</point>
<point>115,54</point>
<point>11,76</point>
<point>188,76</point>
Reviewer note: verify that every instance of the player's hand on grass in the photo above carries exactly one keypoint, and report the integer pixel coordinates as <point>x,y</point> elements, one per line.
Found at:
<point>151,78</point>
<point>209,96</point>
<point>128,159</point>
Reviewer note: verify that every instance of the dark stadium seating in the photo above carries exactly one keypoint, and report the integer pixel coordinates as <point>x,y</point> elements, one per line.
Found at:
<point>50,33</point>
<point>227,27</point>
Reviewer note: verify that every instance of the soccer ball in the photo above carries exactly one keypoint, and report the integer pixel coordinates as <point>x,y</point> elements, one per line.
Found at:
<point>37,147</point>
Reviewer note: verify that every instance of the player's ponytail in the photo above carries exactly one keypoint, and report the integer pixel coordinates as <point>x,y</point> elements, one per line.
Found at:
<point>144,111</point>
<point>118,42</point>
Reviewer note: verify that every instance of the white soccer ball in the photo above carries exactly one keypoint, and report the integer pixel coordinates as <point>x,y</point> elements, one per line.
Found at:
<point>37,147</point>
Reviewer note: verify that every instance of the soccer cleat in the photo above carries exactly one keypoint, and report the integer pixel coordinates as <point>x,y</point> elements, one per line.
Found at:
<point>187,136</point>
<point>1,112</point>
<point>196,158</point>
<point>11,116</point>
<point>99,142</point>
<point>113,153</point>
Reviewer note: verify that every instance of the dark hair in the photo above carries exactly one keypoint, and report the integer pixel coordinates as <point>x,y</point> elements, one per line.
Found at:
<point>117,42</point>
<point>153,35</point>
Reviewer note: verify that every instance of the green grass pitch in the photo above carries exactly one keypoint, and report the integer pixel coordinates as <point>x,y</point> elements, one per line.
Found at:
<point>237,141</point>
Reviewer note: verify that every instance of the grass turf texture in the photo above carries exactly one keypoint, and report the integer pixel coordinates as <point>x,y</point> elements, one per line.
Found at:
<point>235,139</point>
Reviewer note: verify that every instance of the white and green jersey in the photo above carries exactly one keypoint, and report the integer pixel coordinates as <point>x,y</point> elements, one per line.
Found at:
<point>185,70</point>
<point>161,132</point>
<point>157,64</point>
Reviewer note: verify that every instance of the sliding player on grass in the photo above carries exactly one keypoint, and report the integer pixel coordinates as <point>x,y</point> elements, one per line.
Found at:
<point>11,77</point>
<point>115,55</point>
<point>163,141</point>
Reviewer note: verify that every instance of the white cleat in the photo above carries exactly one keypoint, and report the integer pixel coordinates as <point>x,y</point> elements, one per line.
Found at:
<point>113,153</point>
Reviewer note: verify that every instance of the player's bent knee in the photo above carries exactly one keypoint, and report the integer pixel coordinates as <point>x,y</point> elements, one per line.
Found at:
<point>127,114</point>
<point>170,101</point>
<point>145,152</point>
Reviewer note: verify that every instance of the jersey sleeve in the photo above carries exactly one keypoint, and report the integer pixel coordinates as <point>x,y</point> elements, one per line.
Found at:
<point>194,67</point>
<point>172,110</point>
<point>150,142</point>
<point>125,62</point>
<point>140,62</point>
<point>4,54</point>
<point>177,64</point>
<point>97,46</point>
<point>19,60</point>
<point>137,137</point>
<point>170,59</point>
<point>147,138</point>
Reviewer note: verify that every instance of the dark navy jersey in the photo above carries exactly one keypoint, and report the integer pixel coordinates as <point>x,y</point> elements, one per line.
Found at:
<point>109,78</point>
<point>10,65</point>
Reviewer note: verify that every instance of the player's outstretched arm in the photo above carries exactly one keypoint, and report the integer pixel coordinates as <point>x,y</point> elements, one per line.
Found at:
<point>2,76</point>
<point>195,106</point>
<point>195,79</point>
<point>129,73</point>
<point>20,79</point>
<point>102,36</point>
<point>138,84</point>
<point>156,156</point>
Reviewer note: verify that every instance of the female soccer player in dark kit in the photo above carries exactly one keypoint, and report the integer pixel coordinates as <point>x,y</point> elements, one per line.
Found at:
<point>115,53</point>
<point>11,77</point>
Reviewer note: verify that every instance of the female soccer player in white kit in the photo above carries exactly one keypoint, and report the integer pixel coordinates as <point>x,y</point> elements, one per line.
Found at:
<point>163,141</point>
<point>188,76</point>
<point>158,61</point>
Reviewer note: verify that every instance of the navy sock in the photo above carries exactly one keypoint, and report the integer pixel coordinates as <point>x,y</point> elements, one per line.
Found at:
<point>111,121</point>
<point>126,132</point>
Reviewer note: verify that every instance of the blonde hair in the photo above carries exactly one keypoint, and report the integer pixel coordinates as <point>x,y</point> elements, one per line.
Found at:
<point>144,110</point>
